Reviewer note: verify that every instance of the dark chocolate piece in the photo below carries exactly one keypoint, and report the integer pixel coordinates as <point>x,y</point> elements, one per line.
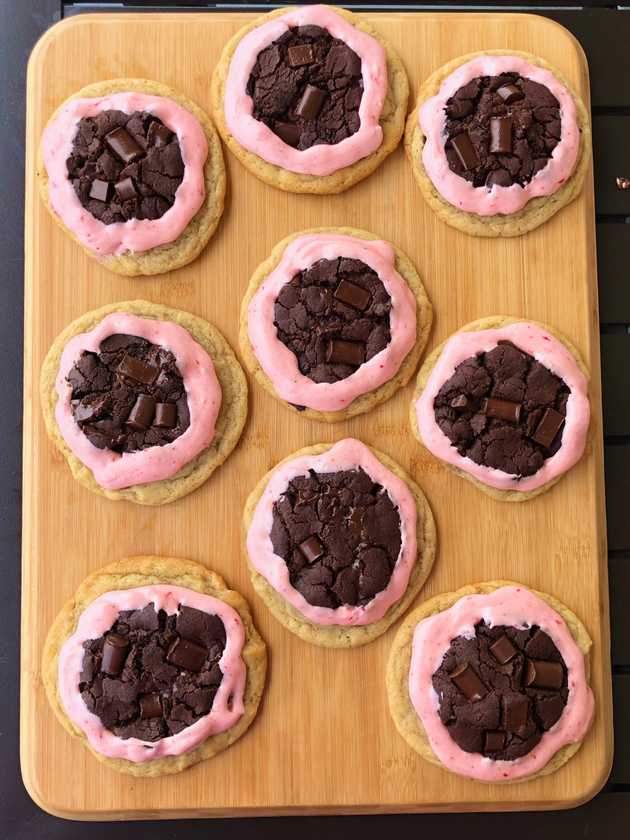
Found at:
<point>137,370</point>
<point>126,190</point>
<point>468,682</point>
<point>300,54</point>
<point>165,415</point>
<point>142,412</point>
<point>99,190</point>
<point>510,94</point>
<point>312,549</point>
<point>352,295</point>
<point>499,178</point>
<point>502,409</point>
<point>495,741</point>
<point>345,352</point>
<point>288,132</point>
<point>311,103</point>
<point>150,706</point>
<point>503,650</point>
<point>501,135</point>
<point>515,711</point>
<point>115,651</point>
<point>461,403</point>
<point>187,654</point>
<point>551,423</point>
<point>465,150</point>
<point>159,135</point>
<point>123,145</point>
<point>540,673</point>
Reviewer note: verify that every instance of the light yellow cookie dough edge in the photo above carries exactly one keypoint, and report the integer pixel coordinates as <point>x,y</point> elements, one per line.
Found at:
<point>338,636</point>
<point>489,323</point>
<point>407,721</point>
<point>392,119</point>
<point>145,571</point>
<point>365,402</point>
<point>229,425</point>
<point>197,233</point>
<point>538,210</point>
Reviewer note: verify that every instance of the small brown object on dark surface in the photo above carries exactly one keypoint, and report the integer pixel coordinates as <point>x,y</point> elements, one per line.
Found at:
<point>503,650</point>
<point>515,711</point>
<point>345,352</point>
<point>461,403</point>
<point>125,189</point>
<point>114,653</point>
<point>142,412</point>
<point>288,132</point>
<point>123,145</point>
<point>312,549</point>
<point>465,150</point>
<point>137,370</point>
<point>498,178</point>
<point>468,682</point>
<point>311,102</point>
<point>539,673</point>
<point>352,295</point>
<point>186,654</point>
<point>494,742</point>
<point>159,135</point>
<point>551,423</point>
<point>165,415</point>
<point>99,190</point>
<point>300,54</point>
<point>510,94</point>
<point>502,409</point>
<point>150,706</point>
<point>501,135</point>
<point>623,183</point>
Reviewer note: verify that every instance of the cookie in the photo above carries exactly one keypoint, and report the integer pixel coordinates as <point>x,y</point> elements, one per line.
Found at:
<point>340,540</point>
<point>334,322</point>
<point>154,665</point>
<point>144,402</point>
<point>498,142</point>
<point>310,99</point>
<point>504,403</point>
<point>507,703</point>
<point>111,173</point>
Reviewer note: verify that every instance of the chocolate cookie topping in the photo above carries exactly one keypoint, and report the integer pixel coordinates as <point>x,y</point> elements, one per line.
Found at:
<point>129,396</point>
<point>501,690</point>
<point>152,674</point>
<point>503,409</point>
<point>501,130</point>
<point>307,87</point>
<point>125,166</point>
<point>339,534</point>
<point>333,316</point>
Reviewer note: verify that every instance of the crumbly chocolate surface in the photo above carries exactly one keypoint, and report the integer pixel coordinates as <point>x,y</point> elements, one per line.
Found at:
<point>129,396</point>
<point>502,690</point>
<point>339,534</point>
<point>125,166</point>
<point>333,316</point>
<point>501,130</point>
<point>306,87</point>
<point>503,409</point>
<point>165,677</point>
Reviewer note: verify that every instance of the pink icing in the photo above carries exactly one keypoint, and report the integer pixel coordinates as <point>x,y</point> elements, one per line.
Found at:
<point>348,454</point>
<point>259,139</point>
<point>99,617</point>
<point>484,202</point>
<point>136,234</point>
<point>112,470</point>
<point>549,352</point>
<point>281,365</point>
<point>513,606</point>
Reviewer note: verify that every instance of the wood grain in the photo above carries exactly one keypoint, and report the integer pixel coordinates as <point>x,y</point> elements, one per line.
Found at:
<point>323,741</point>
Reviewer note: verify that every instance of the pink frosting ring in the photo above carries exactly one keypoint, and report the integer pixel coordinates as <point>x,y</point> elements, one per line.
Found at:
<point>135,234</point>
<point>281,365</point>
<point>513,606</point>
<point>256,137</point>
<point>98,618</point>
<point>348,454</point>
<point>112,470</point>
<point>547,350</point>
<point>461,193</point>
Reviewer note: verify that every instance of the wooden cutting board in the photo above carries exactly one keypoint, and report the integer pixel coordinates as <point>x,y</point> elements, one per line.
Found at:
<point>323,741</point>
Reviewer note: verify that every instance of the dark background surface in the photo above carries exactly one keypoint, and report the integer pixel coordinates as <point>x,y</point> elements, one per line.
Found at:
<point>604,31</point>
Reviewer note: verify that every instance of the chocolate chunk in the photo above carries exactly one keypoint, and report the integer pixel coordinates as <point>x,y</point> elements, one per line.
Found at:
<point>137,370</point>
<point>311,103</point>
<point>142,412</point>
<point>542,674</point>
<point>115,651</point>
<point>159,135</point>
<point>300,54</point>
<point>501,135</point>
<point>287,132</point>
<point>461,403</point>
<point>623,183</point>
<point>503,650</point>
<point>186,654</point>
<point>352,295</point>
<point>465,150</point>
<point>150,706</point>
<point>126,190</point>
<point>99,190</point>
<point>502,409</point>
<point>510,94</point>
<point>345,352</point>
<point>200,626</point>
<point>468,682</point>
<point>312,549</point>
<point>494,742</point>
<point>515,711</point>
<point>165,415</point>
<point>123,145</point>
<point>551,423</point>
<point>499,178</point>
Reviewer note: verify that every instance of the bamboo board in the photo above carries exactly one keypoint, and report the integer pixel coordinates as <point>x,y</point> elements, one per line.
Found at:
<point>324,741</point>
